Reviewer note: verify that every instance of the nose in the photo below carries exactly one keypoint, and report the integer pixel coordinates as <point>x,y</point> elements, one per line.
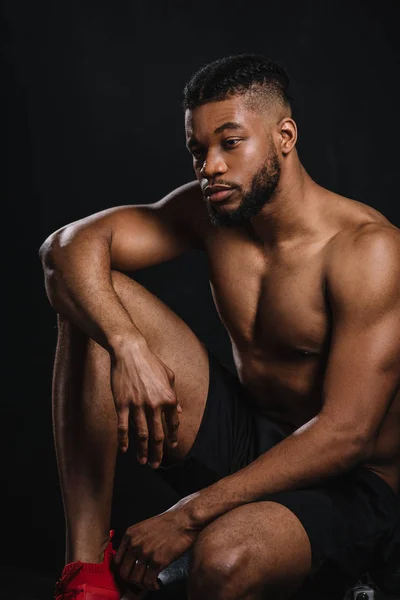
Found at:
<point>213,166</point>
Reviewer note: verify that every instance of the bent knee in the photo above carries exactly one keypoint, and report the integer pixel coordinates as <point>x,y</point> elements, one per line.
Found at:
<point>213,567</point>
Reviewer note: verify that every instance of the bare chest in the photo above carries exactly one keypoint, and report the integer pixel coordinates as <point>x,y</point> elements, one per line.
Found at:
<point>275,313</point>
<point>274,305</point>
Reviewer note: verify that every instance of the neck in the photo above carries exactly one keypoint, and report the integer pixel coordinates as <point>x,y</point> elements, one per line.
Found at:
<point>293,211</point>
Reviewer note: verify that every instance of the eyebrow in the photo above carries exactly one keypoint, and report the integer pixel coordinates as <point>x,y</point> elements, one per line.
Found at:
<point>227,125</point>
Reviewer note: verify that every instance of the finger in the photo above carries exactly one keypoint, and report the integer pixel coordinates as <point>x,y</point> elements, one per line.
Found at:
<point>138,572</point>
<point>165,426</point>
<point>127,565</point>
<point>150,577</point>
<point>172,423</point>
<point>123,428</point>
<point>156,437</point>
<point>171,379</point>
<point>121,549</point>
<point>141,434</point>
<point>172,418</point>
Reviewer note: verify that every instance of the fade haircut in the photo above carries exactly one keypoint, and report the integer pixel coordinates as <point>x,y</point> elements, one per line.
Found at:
<point>255,76</point>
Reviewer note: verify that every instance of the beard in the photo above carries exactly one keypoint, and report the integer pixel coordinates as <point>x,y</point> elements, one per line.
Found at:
<point>263,186</point>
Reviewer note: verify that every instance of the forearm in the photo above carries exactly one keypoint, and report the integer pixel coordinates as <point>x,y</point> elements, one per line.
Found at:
<point>309,456</point>
<point>79,286</point>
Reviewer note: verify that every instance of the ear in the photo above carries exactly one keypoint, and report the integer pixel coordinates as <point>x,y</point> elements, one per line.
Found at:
<point>288,134</point>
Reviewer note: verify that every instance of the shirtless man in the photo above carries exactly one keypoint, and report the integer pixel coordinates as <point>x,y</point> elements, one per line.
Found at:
<point>304,445</point>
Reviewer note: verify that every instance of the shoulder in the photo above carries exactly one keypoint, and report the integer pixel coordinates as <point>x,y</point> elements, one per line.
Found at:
<point>368,241</point>
<point>363,264</point>
<point>182,192</point>
<point>185,206</point>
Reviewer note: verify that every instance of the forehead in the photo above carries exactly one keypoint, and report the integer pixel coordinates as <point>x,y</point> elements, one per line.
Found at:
<point>205,119</point>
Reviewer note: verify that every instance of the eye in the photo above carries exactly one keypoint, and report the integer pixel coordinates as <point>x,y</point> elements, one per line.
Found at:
<point>231,143</point>
<point>196,153</point>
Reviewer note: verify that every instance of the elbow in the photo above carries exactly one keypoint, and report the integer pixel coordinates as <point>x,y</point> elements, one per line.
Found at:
<point>50,269</point>
<point>46,251</point>
<point>51,252</point>
<point>366,446</point>
<point>347,449</point>
<point>355,450</point>
<point>360,441</point>
<point>351,441</point>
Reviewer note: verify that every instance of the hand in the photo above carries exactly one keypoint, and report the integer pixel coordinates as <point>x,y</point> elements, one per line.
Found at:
<point>155,543</point>
<point>143,387</point>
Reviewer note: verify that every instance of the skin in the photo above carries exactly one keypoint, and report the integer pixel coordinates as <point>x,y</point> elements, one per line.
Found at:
<point>307,288</point>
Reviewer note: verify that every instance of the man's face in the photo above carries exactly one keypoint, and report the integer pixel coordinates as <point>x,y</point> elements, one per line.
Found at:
<point>234,158</point>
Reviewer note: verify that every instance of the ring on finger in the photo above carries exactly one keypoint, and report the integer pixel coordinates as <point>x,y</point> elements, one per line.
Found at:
<point>141,562</point>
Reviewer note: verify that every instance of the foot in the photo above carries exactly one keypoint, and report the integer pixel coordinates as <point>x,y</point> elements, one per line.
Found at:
<point>89,581</point>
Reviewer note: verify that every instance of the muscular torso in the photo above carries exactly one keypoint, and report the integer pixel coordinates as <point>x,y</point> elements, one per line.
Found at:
<point>275,308</point>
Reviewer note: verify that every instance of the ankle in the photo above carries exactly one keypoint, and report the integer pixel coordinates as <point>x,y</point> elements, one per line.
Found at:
<point>87,551</point>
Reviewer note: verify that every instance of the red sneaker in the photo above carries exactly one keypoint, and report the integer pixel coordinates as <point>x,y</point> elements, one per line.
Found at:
<point>89,581</point>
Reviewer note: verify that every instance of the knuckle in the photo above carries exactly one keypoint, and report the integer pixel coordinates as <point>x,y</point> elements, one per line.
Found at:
<point>152,404</point>
<point>170,398</point>
<point>161,564</point>
<point>142,435</point>
<point>155,562</point>
<point>158,439</point>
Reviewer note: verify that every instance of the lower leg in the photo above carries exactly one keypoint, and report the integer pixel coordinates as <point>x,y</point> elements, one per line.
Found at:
<point>84,422</point>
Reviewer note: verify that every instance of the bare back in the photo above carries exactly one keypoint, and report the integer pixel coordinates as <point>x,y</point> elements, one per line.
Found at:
<point>275,308</point>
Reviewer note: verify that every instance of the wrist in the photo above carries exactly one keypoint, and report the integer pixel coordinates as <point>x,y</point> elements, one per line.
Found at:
<point>117,342</point>
<point>190,512</point>
<point>193,512</point>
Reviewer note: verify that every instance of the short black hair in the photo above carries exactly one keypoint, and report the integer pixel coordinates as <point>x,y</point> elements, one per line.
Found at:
<point>237,74</point>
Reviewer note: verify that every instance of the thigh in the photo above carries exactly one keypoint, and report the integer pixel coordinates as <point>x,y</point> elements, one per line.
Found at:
<point>230,436</point>
<point>348,521</point>
<point>225,438</point>
<point>299,536</point>
<point>168,337</point>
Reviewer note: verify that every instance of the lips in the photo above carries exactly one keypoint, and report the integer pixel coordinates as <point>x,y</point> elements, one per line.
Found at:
<point>218,193</point>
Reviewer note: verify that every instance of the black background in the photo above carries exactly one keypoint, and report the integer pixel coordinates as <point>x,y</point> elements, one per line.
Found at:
<point>93,119</point>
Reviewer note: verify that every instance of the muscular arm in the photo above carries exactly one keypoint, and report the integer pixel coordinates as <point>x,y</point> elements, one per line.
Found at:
<point>361,380</point>
<point>78,258</point>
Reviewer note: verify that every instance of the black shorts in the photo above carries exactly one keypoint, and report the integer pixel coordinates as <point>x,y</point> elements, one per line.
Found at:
<point>351,521</point>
